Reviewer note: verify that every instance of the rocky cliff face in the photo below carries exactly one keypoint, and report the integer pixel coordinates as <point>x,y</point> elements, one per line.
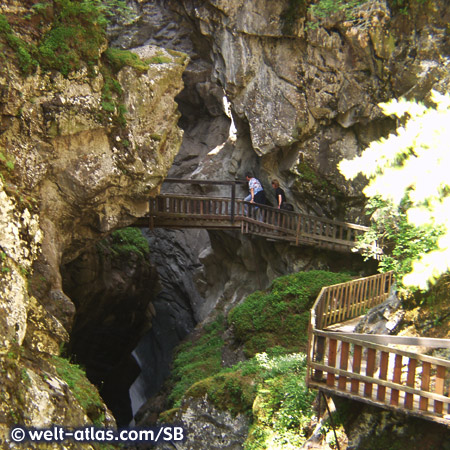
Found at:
<point>271,86</point>
<point>288,90</point>
<point>80,154</point>
<point>303,83</point>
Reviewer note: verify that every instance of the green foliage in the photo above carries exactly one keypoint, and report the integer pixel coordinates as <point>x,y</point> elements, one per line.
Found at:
<point>280,316</point>
<point>409,172</point>
<point>129,240</point>
<point>86,393</point>
<point>283,407</point>
<point>401,241</point>
<point>269,388</point>
<point>197,360</point>
<point>76,35</point>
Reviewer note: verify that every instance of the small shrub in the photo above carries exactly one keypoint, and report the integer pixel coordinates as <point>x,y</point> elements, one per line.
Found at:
<point>129,240</point>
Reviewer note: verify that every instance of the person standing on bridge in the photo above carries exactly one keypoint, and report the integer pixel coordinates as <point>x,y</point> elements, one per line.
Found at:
<point>279,193</point>
<point>257,194</point>
<point>281,197</point>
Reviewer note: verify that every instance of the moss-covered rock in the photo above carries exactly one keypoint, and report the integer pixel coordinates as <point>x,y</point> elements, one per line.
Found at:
<point>280,315</point>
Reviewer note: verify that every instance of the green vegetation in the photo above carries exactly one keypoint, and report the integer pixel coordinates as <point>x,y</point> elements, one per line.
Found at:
<point>114,60</point>
<point>76,35</point>
<point>269,387</point>
<point>325,8</point>
<point>197,360</point>
<point>401,240</point>
<point>86,393</point>
<point>283,406</point>
<point>7,161</point>
<point>307,174</point>
<point>159,59</point>
<point>129,240</point>
<point>409,177</point>
<point>118,59</point>
<point>25,53</point>
<point>280,316</point>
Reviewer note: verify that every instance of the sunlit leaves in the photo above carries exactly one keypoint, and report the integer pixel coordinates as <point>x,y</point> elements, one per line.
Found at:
<point>410,171</point>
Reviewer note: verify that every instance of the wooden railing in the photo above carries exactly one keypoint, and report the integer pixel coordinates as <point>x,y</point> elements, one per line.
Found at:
<point>376,369</point>
<point>181,211</point>
<point>345,301</point>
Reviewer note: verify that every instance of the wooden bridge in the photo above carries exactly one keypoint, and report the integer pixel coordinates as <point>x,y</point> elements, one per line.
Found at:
<point>224,213</point>
<point>383,370</point>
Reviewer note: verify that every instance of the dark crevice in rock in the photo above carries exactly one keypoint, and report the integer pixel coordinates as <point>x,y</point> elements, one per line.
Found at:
<point>112,294</point>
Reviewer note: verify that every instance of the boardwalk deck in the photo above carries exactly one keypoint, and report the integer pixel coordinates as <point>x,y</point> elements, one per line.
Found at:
<point>182,211</point>
<point>377,369</point>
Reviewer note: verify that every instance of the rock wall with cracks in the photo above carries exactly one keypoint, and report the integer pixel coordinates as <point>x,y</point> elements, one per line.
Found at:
<point>71,173</point>
<point>302,93</point>
<point>304,89</point>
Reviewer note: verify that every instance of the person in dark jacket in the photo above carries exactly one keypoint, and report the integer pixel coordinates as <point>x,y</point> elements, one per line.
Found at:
<point>281,197</point>
<point>279,193</point>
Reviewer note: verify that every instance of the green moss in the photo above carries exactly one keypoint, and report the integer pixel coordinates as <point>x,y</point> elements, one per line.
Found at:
<point>195,361</point>
<point>270,389</point>
<point>7,161</point>
<point>118,59</point>
<point>83,390</point>
<point>325,8</point>
<point>159,59</point>
<point>280,315</point>
<point>168,416</point>
<point>73,38</point>
<point>231,391</point>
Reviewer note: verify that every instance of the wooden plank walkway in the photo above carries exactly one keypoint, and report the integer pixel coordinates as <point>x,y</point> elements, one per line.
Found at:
<point>375,369</point>
<point>186,211</point>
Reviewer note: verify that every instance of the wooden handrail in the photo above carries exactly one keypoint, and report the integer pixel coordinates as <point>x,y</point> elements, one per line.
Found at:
<point>346,301</point>
<point>372,368</point>
<point>254,219</point>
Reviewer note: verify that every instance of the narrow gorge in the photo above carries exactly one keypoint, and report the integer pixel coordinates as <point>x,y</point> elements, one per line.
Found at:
<point>98,107</point>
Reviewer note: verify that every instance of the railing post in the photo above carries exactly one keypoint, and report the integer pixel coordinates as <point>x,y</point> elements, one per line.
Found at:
<point>233,198</point>
<point>319,344</point>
